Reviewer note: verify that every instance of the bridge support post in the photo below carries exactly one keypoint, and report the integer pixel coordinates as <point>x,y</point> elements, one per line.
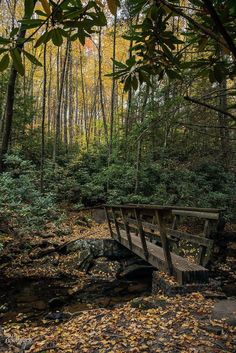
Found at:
<point>165,242</point>
<point>141,233</point>
<point>116,224</point>
<point>126,228</point>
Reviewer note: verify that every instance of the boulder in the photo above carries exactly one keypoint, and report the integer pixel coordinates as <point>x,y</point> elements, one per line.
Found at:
<point>99,215</point>
<point>98,247</point>
<point>225,310</point>
<point>56,302</point>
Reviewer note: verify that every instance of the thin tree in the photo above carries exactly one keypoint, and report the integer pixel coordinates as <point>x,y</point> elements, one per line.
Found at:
<point>43,118</point>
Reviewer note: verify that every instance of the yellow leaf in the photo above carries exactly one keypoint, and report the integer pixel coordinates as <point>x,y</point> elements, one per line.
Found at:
<point>113,4</point>
<point>46,7</point>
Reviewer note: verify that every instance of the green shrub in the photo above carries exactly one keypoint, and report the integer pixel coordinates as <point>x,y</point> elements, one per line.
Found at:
<point>21,202</point>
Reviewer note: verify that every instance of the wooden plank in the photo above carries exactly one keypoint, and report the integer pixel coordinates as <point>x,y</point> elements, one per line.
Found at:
<point>116,224</point>
<point>165,242</point>
<point>195,239</point>
<point>153,207</point>
<point>126,228</point>
<point>141,232</point>
<point>198,214</point>
<point>108,220</point>
<point>184,271</point>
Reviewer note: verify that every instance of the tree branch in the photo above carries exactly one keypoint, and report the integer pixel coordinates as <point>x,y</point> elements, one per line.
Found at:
<point>220,26</point>
<point>210,106</point>
<point>202,28</point>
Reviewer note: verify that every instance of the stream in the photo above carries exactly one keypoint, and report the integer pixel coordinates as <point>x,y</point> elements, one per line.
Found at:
<point>57,299</point>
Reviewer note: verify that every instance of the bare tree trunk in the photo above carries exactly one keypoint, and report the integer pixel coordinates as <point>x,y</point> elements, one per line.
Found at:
<point>113,88</point>
<point>101,85</point>
<point>49,94</point>
<point>223,122</point>
<point>77,94</point>
<point>85,112</point>
<point>140,140</point>
<point>65,106</point>
<point>71,100</point>
<point>59,105</point>
<point>43,118</point>
<point>9,106</point>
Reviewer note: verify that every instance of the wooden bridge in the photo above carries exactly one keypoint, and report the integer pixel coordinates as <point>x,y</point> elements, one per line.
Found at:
<point>152,233</point>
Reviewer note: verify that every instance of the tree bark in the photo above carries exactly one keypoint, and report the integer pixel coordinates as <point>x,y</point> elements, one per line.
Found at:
<point>43,118</point>
<point>59,105</point>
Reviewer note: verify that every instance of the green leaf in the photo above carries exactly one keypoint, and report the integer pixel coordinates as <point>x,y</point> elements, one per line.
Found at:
<point>134,83</point>
<point>45,37</point>
<point>31,23</point>
<point>57,38</point>
<point>81,36</point>
<point>119,64</point>
<point>14,32</point>
<point>3,50</point>
<point>29,8</point>
<point>211,76</point>
<point>154,12</point>
<point>173,75</point>
<point>127,85</point>
<point>41,13</point>
<point>17,61</point>
<point>218,73</point>
<point>63,32</point>
<point>32,58</point>
<point>4,62</point>
<point>4,40</point>
<point>100,19</point>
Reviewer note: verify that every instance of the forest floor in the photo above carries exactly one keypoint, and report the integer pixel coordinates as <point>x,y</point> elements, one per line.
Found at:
<point>145,324</point>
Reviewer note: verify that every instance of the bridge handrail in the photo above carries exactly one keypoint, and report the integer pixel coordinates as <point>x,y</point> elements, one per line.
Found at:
<point>158,212</point>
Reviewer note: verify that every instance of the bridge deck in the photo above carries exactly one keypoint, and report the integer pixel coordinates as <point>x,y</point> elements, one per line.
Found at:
<point>183,270</point>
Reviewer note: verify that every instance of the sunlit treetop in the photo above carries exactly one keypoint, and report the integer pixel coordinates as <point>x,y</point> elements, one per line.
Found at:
<point>47,20</point>
<point>162,33</point>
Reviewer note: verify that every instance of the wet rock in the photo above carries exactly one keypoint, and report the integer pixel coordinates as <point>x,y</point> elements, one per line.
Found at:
<point>225,310</point>
<point>216,330</point>
<point>137,287</point>
<point>25,344</point>
<point>82,260</point>
<point>104,267</point>
<point>136,270</point>
<point>147,303</point>
<point>214,295</point>
<point>98,247</point>
<point>229,289</point>
<point>39,305</point>
<point>39,253</point>
<point>99,215</point>
<point>58,315</point>
<point>56,302</point>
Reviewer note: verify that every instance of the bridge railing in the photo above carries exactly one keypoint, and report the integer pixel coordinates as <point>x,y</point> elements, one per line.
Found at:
<point>159,224</point>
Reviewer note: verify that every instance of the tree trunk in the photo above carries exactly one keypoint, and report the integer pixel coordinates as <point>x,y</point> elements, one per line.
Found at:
<point>101,85</point>
<point>59,105</point>
<point>113,89</point>
<point>71,100</point>
<point>43,118</point>
<point>223,122</point>
<point>10,105</point>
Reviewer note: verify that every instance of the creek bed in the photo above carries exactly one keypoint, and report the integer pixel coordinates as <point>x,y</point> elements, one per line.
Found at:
<point>38,299</point>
